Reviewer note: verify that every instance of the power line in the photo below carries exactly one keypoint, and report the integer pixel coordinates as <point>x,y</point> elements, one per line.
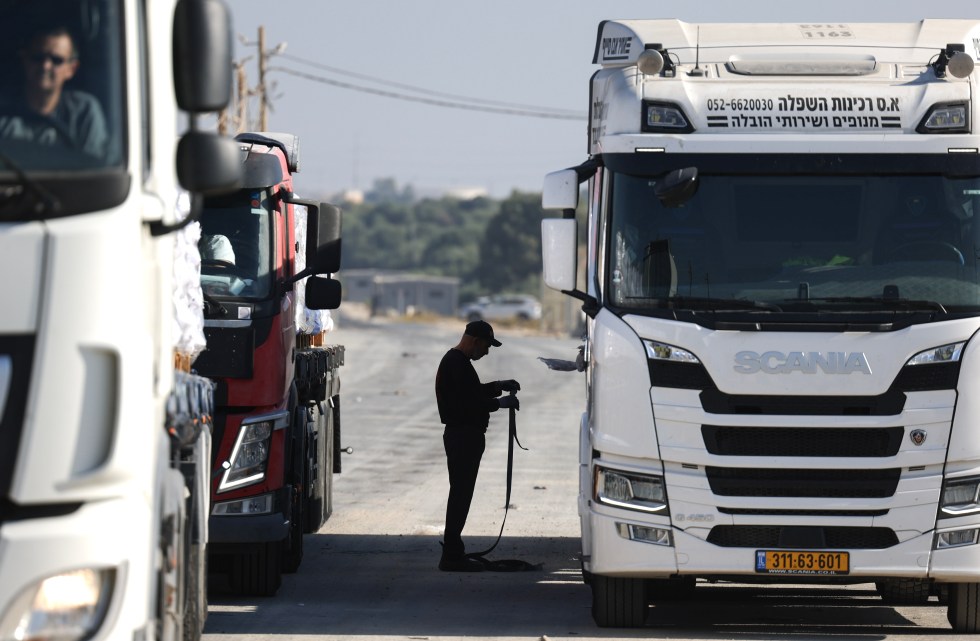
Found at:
<point>428,101</point>
<point>429,92</point>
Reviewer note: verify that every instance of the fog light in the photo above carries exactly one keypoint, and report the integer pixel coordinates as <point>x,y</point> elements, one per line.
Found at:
<point>644,534</point>
<point>955,539</point>
<point>244,507</point>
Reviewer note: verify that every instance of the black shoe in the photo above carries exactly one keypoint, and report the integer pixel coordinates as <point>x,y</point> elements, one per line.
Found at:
<point>459,564</point>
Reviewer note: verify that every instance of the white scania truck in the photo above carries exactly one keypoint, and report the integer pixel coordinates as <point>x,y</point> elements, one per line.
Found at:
<point>783,296</point>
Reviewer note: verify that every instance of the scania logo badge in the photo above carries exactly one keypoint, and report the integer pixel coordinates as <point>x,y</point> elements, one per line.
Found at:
<point>918,437</point>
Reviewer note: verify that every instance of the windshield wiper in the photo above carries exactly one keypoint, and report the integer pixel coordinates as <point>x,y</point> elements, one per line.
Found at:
<point>904,304</point>
<point>718,304</point>
<point>44,202</point>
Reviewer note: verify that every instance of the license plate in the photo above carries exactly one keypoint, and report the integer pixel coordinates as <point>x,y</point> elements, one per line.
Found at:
<point>801,562</point>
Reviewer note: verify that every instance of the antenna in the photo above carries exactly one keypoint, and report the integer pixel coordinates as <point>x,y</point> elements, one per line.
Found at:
<point>697,56</point>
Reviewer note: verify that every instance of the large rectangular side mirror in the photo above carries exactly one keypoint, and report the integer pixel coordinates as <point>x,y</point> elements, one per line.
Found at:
<point>560,190</point>
<point>323,239</point>
<point>559,252</point>
<point>202,55</point>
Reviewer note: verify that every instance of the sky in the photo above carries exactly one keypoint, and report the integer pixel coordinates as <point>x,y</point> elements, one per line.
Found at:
<point>367,84</point>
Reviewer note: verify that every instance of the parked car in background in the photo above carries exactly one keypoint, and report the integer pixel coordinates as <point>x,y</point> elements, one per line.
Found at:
<point>502,307</point>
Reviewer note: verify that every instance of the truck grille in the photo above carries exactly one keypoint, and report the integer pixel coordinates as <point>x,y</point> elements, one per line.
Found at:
<point>890,403</point>
<point>803,483</point>
<point>806,538</point>
<point>786,441</point>
<point>773,512</point>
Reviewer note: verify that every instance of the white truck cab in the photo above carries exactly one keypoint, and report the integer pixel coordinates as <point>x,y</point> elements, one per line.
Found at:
<point>782,292</point>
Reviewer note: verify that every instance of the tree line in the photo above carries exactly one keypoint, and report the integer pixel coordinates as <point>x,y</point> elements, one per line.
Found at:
<point>492,246</point>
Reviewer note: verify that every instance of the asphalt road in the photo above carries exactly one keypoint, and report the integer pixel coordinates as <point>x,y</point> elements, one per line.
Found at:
<point>370,573</point>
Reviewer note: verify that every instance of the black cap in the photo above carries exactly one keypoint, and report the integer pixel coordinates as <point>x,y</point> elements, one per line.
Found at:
<point>482,329</point>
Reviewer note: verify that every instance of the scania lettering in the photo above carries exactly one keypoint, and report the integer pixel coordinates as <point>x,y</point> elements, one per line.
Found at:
<point>808,363</point>
<point>782,293</point>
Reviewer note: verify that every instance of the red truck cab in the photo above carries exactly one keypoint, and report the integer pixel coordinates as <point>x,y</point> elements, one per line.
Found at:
<point>276,423</point>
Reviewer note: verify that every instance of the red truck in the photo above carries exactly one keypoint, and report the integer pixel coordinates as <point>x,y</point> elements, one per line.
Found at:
<point>277,388</point>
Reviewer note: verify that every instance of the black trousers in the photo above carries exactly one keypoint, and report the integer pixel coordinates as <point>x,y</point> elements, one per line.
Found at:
<point>464,450</point>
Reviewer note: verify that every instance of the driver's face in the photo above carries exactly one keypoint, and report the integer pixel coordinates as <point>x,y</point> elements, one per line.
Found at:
<point>50,62</point>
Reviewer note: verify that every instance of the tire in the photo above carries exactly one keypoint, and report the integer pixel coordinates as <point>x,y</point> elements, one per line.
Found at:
<point>904,591</point>
<point>259,571</point>
<point>618,602</point>
<point>964,607</point>
<point>292,551</point>
<point>194,595</point>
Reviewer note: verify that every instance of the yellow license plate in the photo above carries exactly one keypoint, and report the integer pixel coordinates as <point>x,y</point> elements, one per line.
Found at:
<point>801,562</point>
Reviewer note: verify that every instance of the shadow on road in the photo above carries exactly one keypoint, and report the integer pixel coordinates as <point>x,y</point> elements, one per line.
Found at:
<point>388,586</point>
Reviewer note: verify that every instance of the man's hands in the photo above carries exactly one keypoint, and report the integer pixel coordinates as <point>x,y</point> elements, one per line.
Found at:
<point>509,402</point>
<point>509,385</point>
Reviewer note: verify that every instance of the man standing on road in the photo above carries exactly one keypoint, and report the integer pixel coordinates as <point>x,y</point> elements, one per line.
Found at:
<point>464,407</point>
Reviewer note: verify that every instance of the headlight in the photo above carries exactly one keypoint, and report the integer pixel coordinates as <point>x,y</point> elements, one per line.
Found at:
<point>960,496</point>
<point>65,607</point>
<point>629,490</point>
<point>664,117</point>
<point>251,453</point>
<point>944,354</point>
<point>665,352</point>
<point>946,119</point>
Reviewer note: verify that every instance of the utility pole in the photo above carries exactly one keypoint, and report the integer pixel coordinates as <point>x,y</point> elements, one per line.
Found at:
<point>263,90</point>
<point>242,120</point>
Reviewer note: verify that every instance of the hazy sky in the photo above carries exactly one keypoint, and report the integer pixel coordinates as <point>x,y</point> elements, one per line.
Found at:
<point>510,55</point>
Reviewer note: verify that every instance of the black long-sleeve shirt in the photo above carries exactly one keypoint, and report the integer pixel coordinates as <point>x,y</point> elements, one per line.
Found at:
<point>464,402</point>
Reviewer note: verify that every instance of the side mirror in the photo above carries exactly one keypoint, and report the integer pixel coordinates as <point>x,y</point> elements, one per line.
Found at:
<point>208,164</point>
<point>559,252</point>
<point>323,239</point>
<point>677,187</point>
<point>322,293</point>
<point>202,58</point>
<point>560,190</point>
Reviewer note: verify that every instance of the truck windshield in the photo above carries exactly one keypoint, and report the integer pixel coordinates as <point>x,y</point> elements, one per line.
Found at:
<point>61,85</point>
<point>236,246</point>
<point>772,234</point>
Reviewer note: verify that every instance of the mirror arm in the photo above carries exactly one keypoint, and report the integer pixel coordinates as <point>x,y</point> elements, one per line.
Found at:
<point>589,303</point>
<point>160,228</point>
<point>288,283</point>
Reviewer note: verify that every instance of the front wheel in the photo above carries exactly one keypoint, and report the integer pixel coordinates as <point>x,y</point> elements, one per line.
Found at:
<point>964,607</point>
<point>904,591</point>
<point>618,602</point>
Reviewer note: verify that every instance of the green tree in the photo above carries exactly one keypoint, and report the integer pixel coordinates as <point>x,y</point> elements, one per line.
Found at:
<point>510,254</point>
